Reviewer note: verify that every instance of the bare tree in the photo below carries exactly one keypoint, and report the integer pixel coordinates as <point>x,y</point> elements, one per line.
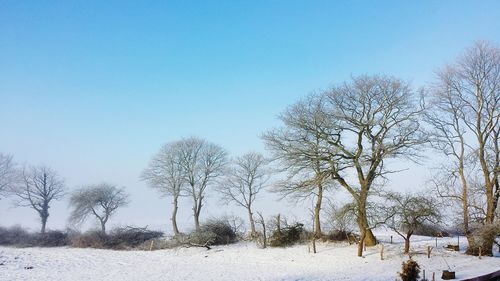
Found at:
<point>466,123</point>
<point>341,218</point>
<point>245,179</point>
<point>40,186</point>
<point>8,174</point>
<point>298,148</point>
<point>202,163</point>
<point>165,173</point>
<point>100,201</point>
<point>264,231</point>
<point>407,212</point>
<point>359,126</point>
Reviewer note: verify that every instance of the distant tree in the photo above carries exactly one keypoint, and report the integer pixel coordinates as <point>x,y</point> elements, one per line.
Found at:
<point>245,178</point>
<point>465,121</point>
<point>298,148</point>
<point>202,163</point>
<point>8,174</point>
<point>407,212</point>
<point>38,188</point>
<point>166,174</point>
<point>101,201</point>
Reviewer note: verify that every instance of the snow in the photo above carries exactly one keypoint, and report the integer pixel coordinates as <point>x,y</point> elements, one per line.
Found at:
<point>239,262</point>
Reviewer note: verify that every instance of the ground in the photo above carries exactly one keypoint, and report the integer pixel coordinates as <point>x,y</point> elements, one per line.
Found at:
<point>239,262</point>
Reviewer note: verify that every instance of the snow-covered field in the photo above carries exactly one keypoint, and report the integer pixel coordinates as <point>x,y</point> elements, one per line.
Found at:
<point>239,262</point>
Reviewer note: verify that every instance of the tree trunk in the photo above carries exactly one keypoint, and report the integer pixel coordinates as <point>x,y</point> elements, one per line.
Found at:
<point>44,215</point>
<point>317,209</point>
<point>361,242</point>
<point>103,227</point>
<point>253,232</point>
<point>407,243</point>
<point>174,218</point>
<point>196,213</point>
<point>44,223</point>
<point>197,221</point>
<point>369,238</point>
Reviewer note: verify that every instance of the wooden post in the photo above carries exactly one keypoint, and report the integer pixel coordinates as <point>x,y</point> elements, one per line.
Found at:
<point>424,275</point>
<point>458,242</point>
<point>436,242</point>
<point>480,251</point>
<point>429,249</point>
<point>391,239</point>
<point>382,252</point>
<point>434,276</point>
<point>151,246</point>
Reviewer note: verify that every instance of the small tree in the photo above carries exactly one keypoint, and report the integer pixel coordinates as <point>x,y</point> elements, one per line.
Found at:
<point>40,186</point>
<point>298,148</point>
<point>202,163</point>
<point>246,178</point>
<point>8,174</point>
<point>342,218</point>
<point>165,173</point>
<point>101,201</point>
<point>408,212</point>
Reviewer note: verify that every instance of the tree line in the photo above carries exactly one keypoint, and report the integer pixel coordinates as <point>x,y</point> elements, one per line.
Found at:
<point>343,137</point>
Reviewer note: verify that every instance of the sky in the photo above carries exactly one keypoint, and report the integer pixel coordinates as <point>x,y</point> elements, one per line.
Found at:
<point>94,88</point>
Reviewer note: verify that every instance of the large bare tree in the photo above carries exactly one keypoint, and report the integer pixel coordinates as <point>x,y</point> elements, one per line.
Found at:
<point>364,123</point>
<point>101,201</point>
<point>39,186</point>
<point>299,153</point>
<point>246,177</point>
<point>466,128</point>
<point>166,174</point>
<point>202,163</point>
<point>9,175</point>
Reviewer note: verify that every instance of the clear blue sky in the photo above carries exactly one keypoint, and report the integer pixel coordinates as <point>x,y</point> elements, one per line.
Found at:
<point>93,88</point>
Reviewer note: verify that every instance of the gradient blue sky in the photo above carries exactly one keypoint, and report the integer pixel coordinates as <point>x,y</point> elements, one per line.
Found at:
<point>93,88</point>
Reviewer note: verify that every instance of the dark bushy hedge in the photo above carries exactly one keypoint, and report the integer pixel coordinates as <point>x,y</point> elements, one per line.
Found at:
<point>431,230</point>
<point>340,236</point>
<point>17,236</point>
<point>118,239</point>
<point>287,236</point>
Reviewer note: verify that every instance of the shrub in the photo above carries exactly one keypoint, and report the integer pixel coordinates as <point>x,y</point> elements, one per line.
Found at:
<point>286,236</point>
<point>129,237</point>
<point>17,236</point>
<point>339,236</point>
<point>53,238</point>
<point>90,239</point>
<point>14,236</point>
<point>219,231</point>
<point>430,230</point>
<point>410,271</point>
<point>118,239</point>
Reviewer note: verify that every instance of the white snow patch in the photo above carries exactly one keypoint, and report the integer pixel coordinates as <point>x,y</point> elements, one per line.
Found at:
<point>239,262</point>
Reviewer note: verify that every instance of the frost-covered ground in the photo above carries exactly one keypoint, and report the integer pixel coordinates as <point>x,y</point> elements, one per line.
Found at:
<point>239,262</point>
